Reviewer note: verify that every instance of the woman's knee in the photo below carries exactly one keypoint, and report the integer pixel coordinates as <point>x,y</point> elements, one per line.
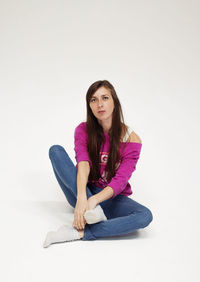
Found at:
<point>54,148</point>
<point>147,217</point>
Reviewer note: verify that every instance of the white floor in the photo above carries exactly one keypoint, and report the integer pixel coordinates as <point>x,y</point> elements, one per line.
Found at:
<point>163,251</point>
<point>50,53</point>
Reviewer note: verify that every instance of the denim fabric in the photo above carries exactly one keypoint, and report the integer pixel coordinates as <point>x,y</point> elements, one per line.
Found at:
<point>123,213</point>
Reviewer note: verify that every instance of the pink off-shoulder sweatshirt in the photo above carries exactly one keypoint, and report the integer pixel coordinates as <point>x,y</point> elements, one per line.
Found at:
<point>124,169</point>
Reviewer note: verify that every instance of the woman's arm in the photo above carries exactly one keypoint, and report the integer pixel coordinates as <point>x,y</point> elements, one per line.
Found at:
<point>82,179</point>
<point>105,194</point>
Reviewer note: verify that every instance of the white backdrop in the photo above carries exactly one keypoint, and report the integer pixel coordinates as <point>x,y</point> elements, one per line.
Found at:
<point>50,53</point>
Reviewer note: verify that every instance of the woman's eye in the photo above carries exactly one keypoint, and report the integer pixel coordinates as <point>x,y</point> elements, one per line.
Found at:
<point>94,99</point>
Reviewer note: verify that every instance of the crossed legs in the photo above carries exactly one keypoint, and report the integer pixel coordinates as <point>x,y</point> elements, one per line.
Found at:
<point>123,213</point>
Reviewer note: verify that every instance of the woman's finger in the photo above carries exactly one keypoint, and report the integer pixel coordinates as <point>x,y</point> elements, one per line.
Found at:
<point>82,222</point>
<point>79,222</point>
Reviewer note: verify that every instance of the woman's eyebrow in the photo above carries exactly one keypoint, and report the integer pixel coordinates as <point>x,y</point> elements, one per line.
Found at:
<point>101,95</point>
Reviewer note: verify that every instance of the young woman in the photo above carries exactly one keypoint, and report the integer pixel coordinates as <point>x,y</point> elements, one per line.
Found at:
<point>106,152</point>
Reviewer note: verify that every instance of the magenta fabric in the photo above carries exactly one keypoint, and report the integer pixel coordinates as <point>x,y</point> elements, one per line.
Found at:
<point>129,155</point>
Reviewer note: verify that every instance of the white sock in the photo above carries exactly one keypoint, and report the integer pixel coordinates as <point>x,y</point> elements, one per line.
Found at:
<point>95,215</point>
<point>63,234</point>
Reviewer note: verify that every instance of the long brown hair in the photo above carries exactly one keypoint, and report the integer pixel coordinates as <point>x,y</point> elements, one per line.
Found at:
<point>96,134</point>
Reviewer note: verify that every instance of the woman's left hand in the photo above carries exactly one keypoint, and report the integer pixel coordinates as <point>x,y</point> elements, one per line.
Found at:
<point>91,203</point>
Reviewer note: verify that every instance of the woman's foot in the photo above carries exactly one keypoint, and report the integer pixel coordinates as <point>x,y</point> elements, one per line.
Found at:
<point>95,215</point>
<point>63,234</point>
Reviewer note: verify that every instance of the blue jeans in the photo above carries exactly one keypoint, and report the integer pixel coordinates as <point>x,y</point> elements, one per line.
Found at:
<point>123,213</point>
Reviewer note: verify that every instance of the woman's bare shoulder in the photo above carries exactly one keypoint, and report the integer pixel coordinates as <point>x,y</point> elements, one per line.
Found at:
<point>130,135</point>
<point>134,137</point>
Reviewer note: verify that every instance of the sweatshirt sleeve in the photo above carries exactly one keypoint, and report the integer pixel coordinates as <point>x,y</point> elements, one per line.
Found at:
<point>128,163</point>
<point>80,145</point>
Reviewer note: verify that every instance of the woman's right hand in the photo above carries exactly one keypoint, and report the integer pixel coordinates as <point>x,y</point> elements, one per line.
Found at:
<point>80,208</point>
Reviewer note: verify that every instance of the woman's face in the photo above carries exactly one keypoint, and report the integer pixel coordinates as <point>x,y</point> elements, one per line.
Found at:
<point>102,100</point>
